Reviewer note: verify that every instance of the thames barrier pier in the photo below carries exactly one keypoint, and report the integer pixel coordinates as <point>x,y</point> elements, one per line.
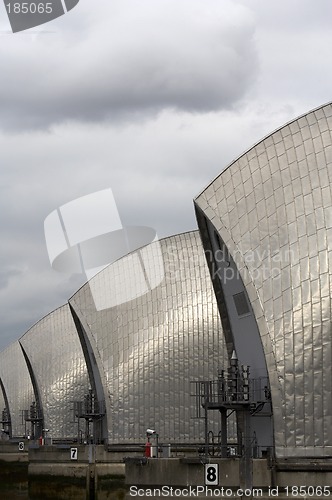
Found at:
<point>202,359</point>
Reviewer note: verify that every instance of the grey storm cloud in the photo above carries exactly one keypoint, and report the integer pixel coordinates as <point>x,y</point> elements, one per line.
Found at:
<point>136,58</point>
<point>6,275</point>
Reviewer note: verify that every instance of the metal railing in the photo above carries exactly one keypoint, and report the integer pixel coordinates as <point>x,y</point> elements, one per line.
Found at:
<point>228,391</point>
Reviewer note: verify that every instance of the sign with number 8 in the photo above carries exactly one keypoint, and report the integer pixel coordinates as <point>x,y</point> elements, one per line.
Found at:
<point>212,474</point>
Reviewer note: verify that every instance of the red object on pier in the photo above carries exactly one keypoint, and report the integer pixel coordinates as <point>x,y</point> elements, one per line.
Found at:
<point>148,449</point>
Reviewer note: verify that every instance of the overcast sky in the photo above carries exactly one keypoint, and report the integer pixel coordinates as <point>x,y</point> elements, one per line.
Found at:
<point>152,98</point>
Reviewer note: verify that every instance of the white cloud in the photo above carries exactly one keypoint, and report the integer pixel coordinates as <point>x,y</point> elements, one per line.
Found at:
<point>135,58</point>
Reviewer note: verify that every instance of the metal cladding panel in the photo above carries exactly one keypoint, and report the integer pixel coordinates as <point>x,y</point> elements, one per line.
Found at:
<point>17,385</point>
<point>54,351</point>
<point>273,209</point>
<point>149,349</point>
<point>2,401</point>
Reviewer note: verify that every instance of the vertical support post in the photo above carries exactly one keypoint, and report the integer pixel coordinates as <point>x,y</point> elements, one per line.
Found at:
<point>243,422</point>
<point>206,431</point>
<point>79,436</point>
<point>223,444</point>
<point>87,430</point>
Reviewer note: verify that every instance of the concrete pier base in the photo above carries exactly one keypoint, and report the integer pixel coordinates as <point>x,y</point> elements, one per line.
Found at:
<point>90,475</point>
<point>94,473</point>
<point>182,478</point>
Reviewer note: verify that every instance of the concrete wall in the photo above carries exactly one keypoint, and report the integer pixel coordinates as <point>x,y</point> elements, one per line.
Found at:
<point>99,474</point>
<point>191,472</point>
<point>54,475</point>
